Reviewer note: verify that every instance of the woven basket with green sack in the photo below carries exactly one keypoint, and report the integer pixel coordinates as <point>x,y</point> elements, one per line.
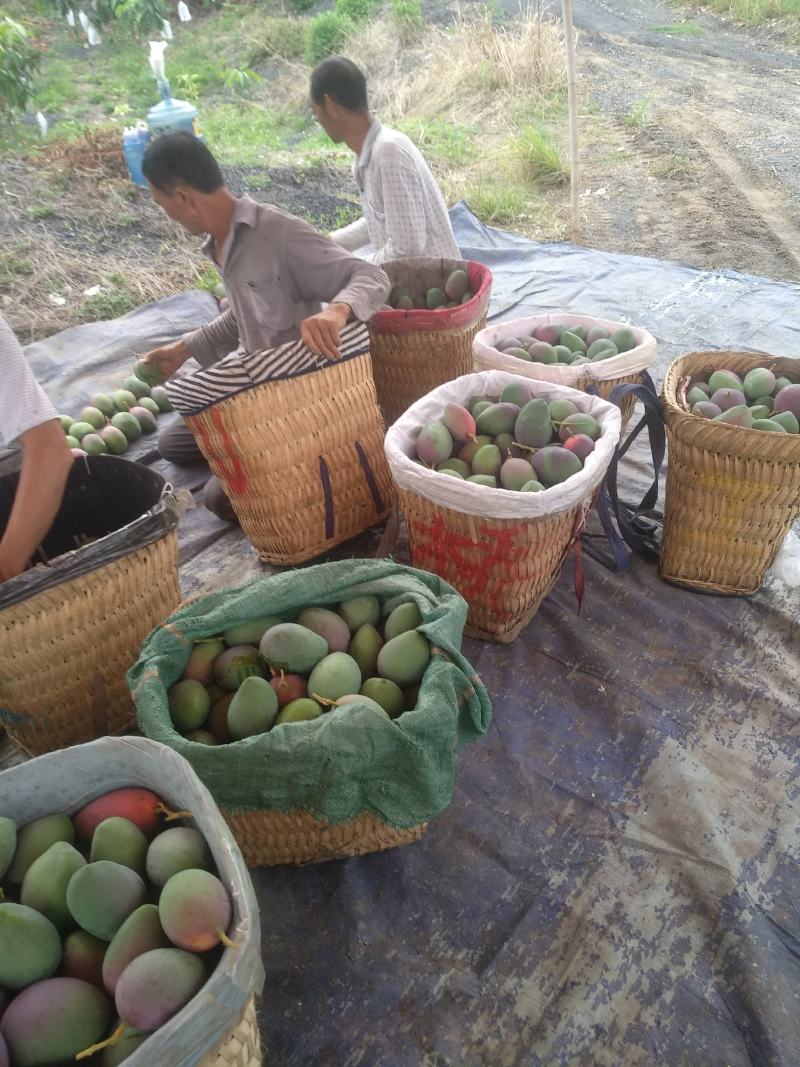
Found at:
<point>350,781</point>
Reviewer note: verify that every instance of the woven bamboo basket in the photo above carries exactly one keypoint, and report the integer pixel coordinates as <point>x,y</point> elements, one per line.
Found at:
<point>414,351</point>
<point>301,459</point>
<point>66,650</point>
<point>600,380</point>
<point>241,1047</point>
<point>732,493</point>
<point>270,838</point>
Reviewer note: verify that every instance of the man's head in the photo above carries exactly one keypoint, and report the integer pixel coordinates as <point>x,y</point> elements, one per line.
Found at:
<point>182,174</point>
<point>338,96</point>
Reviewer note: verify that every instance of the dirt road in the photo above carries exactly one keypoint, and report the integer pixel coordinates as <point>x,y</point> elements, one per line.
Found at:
<point>690,137</point>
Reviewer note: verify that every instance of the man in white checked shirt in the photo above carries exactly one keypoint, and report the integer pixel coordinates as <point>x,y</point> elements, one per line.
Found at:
<point>404,210</point>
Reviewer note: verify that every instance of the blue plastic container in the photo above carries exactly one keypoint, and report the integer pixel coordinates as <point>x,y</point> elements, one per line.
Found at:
<point>170,116</point>
<point>135,140</point>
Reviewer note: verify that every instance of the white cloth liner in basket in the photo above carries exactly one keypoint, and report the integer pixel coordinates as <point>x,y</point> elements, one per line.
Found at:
<point>480,500</point>
<point>487,357</point>
<point>66,781</point>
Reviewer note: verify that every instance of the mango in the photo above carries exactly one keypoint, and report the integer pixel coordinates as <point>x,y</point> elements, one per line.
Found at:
<point>559,409</point>
<point>94,445</point>
<point>238,662</point>
<point>728,398</point>
<point>52,1021</point>
<point>758,382</point>
<point>147,372</point>
<point>467,453</point>
<point>73,443</point>
<point>302,710</point>
<point>515,473</point>
<point>145,418</point>
<point>581,445</point>
<point>780,383</point>
<point>327,624</point>
<point>596,333</point>
<point>454,466</point>
<point>435,298</point>
<point>217,721</point>
<point>624,339</point>
<point>553,465</point>
<point>488,460</point>
<point>66,421</point>
<point>465,299</point>
<point>360,610</point>
<point>576,330</point>
<point>101,896</point>
<point>565,355</point>
<point>516,393</point>
<point>549,333</point>
<point>498,418</point>
<point>387,694</point>
<point>488,480</point>
<point>706,409</point>
<point>365,702</point>
<point>8,843</point>
<point>200,665</point>
<point>579,423</point>
<point>293,648</point>
<point>404,659</point>
<point>253,709</point>
<point>141,932</point>
<point>124,400</point>
<point>139,388</point>
<point>764,401</point>
<point>541,352</point>
<point>459,422</point>
<point>179,848</point>
<point>788,399</point>
<point>533,426</point>
<point>94,417</point>
<point>249,633</point>
<point>364,648</point>
<point>156,985</point>
<point>83,957</point>
<point>189,705</point>
<point>769,425</point>
<point>141,806</point>
<point>334,676</point>
<point>161,397</point>
<point>457,284</point>
<point>288,687</point>
<point>519,353</point>
<point>195,909</point>
<point>504,442</point>
<point>783,418</point>
<point>150,405</point>
<point>30,946</point>
<point>532,487</point>
<point>120,841</point>
<point>448,473</point>
<point>480,406</point>
<point>704,388</point>
<point>504,343</point>
<point>724,379</point>
<point>79,430</point>
<point>404,617</point>
<point>114,439</point>
<point>128,425</point>
<point>736,416</point>
<point>44,887</point>
<point>34,840</point>
<point>572,342</point>
<point>601,350</point>
<point>395,294</point>
<point>201,737</point>
<point>103,403</point>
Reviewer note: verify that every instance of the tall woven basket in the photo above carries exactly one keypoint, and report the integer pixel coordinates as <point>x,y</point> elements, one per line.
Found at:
<point>502,551</point>
<point>67,645</point>
<point>732,493</point>
<point>242,1046</point>
<point>414,351</point>
<point>301,459</point>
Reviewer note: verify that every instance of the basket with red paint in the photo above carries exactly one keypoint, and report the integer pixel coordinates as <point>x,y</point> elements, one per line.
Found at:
<point>296,441</point>
<point>501,549</point>
<point>417,349</point>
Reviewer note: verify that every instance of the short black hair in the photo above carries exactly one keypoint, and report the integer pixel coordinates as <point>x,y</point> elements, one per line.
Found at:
<point>342,81</point>
<point>175,158</point>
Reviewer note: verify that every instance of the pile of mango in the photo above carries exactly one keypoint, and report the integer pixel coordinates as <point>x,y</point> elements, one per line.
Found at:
<point>109,925</point>
<point>759,401</point>
<point>562,345</point>
<point>268,673</point>
<point>515,441</point>
<point>111,423</point>
<point>453,291</point>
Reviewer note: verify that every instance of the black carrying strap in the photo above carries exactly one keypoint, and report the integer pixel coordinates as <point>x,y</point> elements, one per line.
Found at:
<point>636,522</point>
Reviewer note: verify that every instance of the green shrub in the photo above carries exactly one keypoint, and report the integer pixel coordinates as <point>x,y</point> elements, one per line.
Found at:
<point>278,36</point>
<point>299,6</point>
<point>407,14</point>
<point>356,10</point>
<point>141,17</point>
<point>18,63</point>
<point>326,35</point>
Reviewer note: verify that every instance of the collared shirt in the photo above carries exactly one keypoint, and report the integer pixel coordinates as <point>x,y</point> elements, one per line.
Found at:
<point>278,270</point>
<point>404,210</point>
<point>23,402</point>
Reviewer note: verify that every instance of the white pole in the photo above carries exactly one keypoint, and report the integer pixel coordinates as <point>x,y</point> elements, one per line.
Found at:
<point>569,38</point>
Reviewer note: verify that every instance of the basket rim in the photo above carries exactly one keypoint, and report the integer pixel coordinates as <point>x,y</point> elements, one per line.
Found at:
<point>425,320</point>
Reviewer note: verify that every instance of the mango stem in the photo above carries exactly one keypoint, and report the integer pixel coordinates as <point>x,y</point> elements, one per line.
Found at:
<point>324,701</point>
<point>115,1038</point>
<point>226,941</point>
<point>169,814</point>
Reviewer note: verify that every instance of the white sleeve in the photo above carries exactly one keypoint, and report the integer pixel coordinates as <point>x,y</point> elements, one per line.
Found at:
<point>23,402</point>
<point>353,236</point>
<point>404,210</point>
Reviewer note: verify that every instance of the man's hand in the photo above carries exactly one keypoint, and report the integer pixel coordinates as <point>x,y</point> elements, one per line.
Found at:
<point>321,332</point>
<point>168,358</point>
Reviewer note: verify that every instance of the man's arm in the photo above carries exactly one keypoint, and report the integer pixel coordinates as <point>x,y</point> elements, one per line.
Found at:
<point>46,462</point>
<point>404,212</point>
<point>208,344</point>
<point>352,237</point>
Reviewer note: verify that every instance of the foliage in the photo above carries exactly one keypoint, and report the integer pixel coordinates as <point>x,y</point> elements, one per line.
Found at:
<point>540,158</point>
<point>299,6</point>
<point>407,15</point>
<point>18,63</point>
<point>241,81</point>
<point>140,16</point>
<point>278,36</point>
<point>326,35</point>
<point>356,10</point>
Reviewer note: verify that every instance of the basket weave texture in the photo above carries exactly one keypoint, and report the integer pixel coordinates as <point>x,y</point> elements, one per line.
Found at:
<point>66,649</point>
<point>241,1047</point>
<point>301,460</point>
<point>271,838</point>
<point>732,493</point>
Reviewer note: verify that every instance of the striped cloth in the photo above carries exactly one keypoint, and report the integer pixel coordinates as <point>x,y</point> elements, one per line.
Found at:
<point>240,371</point>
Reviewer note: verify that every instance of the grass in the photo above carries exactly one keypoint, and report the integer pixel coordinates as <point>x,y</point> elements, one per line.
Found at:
<point>680,29</point>
<point>672,166</point>
<point>637,116</point>
<point>109,304</point>
<point>442,140</point>
<point>247,133</point>
<point>541,160</point>
<point>756,12</point>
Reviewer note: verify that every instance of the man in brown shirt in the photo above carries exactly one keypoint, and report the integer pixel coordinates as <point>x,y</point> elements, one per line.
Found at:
<point>277,270</point>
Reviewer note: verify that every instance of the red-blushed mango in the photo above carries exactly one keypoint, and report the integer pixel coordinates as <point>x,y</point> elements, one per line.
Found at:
<point>200,665</point>
<point>120,841</point>
<point>554,464</point>
<point>788,399</point>
<point>760,381</point>
<point>101,896</point>
<point>289,687</point>
<point>156,985</point>
<point>434,443</point>
<point>548,333</point>
<point>739,415</point>
<point>541,352</point>
<point>327,624</point>
<point>237,663</point>
<point>52,1021</point>
<point>30,947</point>
<point>706,410</point>
<point>728,398</point>
<point>515,473</point>
<point>44,887</point>
<point>724,379</point>
<point>195,911</point>
<point>141,806</point>
<point>34,839</point>
<point>83,957</point>
<point>141,932</point>
<point>581,445</point>
<point>180,848</point>
<point>459,422</point>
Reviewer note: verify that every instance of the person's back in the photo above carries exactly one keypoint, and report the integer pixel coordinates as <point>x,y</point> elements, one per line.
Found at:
<point>404,211</point>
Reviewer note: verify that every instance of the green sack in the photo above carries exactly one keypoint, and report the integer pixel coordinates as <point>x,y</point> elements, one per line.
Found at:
<point>347,761</point>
